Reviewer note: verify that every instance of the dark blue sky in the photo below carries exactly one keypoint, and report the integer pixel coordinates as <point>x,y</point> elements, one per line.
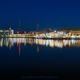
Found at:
<point>46,13</point>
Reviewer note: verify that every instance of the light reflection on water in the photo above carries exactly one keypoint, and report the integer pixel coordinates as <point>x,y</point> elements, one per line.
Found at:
<point>9,42</point>
<point>62,62</point>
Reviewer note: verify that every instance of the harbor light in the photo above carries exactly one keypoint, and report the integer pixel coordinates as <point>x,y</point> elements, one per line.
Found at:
<point>55,31</point>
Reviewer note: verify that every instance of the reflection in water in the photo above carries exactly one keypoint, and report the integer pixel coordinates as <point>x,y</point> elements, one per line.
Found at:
<point>9,42</point>
<point>37,49</point>
<point>19,48</point>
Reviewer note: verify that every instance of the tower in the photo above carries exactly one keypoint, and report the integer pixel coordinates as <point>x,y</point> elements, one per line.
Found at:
<point>11,31</point>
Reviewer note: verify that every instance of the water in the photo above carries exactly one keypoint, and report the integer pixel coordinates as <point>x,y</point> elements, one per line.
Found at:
<point>39,57</point>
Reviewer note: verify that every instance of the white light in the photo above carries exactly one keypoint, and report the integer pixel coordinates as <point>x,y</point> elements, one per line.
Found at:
<point>55,31</point>
<point>73,41</point>
<point>73,36</point>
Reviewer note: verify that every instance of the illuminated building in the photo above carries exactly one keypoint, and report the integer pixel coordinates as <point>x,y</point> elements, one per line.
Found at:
<point>41,34</point>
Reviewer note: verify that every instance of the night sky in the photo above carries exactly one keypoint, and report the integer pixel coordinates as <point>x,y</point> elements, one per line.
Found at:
<point>26,14</point>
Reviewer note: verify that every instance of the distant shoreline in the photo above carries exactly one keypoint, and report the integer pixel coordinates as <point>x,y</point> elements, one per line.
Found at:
<point>45,38</point>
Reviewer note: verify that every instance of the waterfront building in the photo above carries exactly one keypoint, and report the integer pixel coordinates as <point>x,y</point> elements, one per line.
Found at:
<point>6,33</point>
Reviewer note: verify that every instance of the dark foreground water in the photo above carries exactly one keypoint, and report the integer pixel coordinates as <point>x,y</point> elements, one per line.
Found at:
<point>21,57</point>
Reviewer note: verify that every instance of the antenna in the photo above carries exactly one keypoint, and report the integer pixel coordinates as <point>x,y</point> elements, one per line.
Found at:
<point>37,27</point>
<point>19,24</point>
